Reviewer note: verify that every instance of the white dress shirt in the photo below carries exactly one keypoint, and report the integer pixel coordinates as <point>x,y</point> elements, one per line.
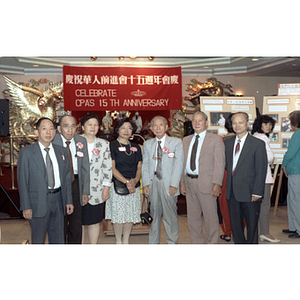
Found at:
<point>54,163</point>
<point>162,144</point>
<point>237,156</point>
<point>73,151</point>
<point>188,160</point>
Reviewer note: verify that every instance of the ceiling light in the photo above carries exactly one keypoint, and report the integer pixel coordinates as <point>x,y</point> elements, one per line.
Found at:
<point>255,59</point>
<point>150,58</point>
<point>35,65</point>
<point>93,58</point>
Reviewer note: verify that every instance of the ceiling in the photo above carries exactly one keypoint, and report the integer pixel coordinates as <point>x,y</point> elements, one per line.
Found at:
<point>207,66</point>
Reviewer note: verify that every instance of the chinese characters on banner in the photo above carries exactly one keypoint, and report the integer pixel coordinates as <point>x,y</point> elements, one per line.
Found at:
<point>279,107</point>
<point>122,88</point>
<point>219,108</point>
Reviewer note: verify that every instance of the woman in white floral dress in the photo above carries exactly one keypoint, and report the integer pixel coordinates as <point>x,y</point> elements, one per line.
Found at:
<point>125,210</point>
<point>100,177</point>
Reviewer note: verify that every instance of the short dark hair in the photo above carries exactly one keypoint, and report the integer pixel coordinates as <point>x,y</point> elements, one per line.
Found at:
<point>121,122</point>
<point>295,118</point>
<point>89,116</point>
<point>38,123</point>
<point>258,122</point>
<point>61,118</point>
<point>241,112</point>
<point>228,124</point>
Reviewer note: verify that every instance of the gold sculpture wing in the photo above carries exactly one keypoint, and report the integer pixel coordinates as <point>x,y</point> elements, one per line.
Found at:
<point>26,98</point>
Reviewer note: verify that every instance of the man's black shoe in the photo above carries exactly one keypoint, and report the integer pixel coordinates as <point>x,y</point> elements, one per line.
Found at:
<point>294,235</point>
<point>288,231</point>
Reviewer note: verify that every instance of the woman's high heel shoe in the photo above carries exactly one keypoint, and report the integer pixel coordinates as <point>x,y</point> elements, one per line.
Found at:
<point>265,238</point>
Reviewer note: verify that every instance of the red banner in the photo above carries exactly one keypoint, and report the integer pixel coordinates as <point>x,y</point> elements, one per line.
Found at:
<point>122,88</point>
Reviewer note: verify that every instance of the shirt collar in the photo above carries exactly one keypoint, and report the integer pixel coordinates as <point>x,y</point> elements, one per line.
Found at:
<point>201,134</point>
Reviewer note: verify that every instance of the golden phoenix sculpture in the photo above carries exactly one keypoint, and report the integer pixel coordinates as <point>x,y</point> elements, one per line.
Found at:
<point>31,104</point>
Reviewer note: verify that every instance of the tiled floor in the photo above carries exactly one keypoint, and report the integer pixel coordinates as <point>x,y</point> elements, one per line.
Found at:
<point>16,231</point>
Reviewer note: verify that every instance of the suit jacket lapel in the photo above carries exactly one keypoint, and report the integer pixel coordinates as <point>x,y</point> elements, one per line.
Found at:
<point>39,160</point>
<point>59,158</point>
<point>204,144</point>
<point>244,153</point>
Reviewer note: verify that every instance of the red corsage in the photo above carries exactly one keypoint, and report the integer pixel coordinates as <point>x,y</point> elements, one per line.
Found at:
<point>79,145</point>
<point>133,149</point>
<point>95,151</point>
<point>165,150</point>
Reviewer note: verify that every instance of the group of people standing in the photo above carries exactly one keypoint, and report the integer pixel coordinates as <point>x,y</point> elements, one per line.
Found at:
<point>64,180</point>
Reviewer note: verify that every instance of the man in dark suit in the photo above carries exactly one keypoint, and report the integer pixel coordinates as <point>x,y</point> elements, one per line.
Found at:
<point>44,201</point>
<point>246,164</point>
<point>80,168</point>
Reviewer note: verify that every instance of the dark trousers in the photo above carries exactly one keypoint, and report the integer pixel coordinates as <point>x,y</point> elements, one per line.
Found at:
<point>240,211</point>
<point>52,223</point>
<point>73,222</point>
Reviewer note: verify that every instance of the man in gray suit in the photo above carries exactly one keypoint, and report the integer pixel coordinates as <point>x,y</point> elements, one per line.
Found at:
<point>246,164</point>
<point>161,171</point>
<point>43,203</point>
<point>80,167</point>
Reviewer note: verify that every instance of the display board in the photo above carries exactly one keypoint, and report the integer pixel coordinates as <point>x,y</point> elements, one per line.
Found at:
<point>288,89</point>
<point>218,109</point>
<point>279,107</point>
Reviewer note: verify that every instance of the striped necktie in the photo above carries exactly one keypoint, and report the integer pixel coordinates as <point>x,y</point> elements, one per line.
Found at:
<point>50,171</point>
<point>158,172</point>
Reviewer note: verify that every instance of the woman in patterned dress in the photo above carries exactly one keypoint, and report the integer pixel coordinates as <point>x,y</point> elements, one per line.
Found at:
<point>100,177</point>
<point>125,210</point>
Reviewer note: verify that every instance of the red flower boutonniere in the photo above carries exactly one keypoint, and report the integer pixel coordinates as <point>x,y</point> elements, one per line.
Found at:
<point>79,145</point>
<point>63,157</point>
<point>165,150</point>
<point>133,149</point>
<point>95,151</point>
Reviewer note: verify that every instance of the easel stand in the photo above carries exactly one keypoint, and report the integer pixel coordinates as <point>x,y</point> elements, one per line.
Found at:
<point>278,186</point>
<point>10,200</point>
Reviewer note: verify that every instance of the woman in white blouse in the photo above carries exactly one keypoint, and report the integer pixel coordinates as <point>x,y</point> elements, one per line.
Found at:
<point>100,177</point>
<point>262,127</point>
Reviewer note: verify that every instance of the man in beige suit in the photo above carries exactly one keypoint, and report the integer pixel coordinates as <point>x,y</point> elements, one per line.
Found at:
<point>202,179</point>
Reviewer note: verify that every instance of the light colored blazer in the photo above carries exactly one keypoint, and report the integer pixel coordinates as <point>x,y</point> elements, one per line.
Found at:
<point>172,163</point>
<point>32,179</point>
<point>270,155</point>
<point>100,170</point>
<point>82,162</point>
<point>211,161</point>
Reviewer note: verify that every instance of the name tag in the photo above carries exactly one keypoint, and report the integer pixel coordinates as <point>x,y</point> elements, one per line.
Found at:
<point>79,154</point>
<point>122,149</point>
<point>171,154</point>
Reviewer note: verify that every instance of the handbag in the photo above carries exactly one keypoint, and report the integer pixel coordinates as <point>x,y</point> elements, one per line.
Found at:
<point>120,187</point>
<point>146,217</point>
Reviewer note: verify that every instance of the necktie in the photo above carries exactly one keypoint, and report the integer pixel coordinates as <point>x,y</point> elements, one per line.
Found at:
<point>193,154</point>
<point>236,151</point>
<point>237,147</point>
<point>70,159</point>
<point>50,172</point>
<point>158,172</point>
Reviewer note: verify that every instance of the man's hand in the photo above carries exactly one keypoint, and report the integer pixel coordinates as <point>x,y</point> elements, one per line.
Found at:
<point>70,209</point>
<point>27,214</point>
<point>85,199</point>
<point>146,190</point>
<point>172,190</point>
<point>216,190</point>
<point>255,198</point>
<point>182,188</point>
